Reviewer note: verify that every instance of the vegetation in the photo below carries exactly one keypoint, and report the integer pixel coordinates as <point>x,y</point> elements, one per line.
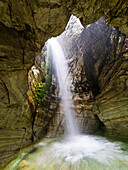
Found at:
<point>42,91</point>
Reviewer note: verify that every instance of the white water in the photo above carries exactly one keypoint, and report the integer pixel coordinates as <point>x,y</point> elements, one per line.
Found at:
<point>79,152</point>
<point>61,67</point>
<point>75,153</point>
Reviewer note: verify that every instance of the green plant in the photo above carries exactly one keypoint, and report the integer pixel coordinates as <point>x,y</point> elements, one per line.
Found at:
<point>42,90</point>
<point>42,94</point>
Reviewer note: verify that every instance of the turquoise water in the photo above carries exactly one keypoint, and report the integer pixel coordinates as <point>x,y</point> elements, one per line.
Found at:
<point>81,152</point>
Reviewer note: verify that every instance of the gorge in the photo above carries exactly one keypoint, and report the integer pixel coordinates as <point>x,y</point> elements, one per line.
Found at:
<point>74,151</point>
<point>97,56</point>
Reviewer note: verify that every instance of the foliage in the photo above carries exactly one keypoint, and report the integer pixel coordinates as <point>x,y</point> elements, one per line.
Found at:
<point>42,94</point>
<point>42,90</point>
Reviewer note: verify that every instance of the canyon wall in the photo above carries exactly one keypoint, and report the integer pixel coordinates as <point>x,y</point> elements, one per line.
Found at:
<point>97,59</point>
<point>25,25</point>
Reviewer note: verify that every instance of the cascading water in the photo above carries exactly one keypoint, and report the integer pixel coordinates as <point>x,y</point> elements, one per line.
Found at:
<point>61,68</point>
<point>77,152</point>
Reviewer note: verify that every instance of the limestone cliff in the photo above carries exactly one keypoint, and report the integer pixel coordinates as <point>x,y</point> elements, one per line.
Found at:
<point>24,28</point>
<point>82,94</point>
<point>105,54</point>
<point>95,54</point>
<point>111,104</point>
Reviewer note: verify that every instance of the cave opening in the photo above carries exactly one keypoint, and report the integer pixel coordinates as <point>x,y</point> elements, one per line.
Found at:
<point>90,53</point>
<point>95,44</point>
<point>87,50</point>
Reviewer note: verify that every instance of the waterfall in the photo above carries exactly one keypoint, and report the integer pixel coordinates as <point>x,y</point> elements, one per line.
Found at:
<point>61,67</point>
<point>76,152</point>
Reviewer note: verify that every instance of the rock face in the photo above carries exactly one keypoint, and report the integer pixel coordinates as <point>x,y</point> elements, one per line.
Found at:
<point>24,27</point>
<point>96,55</point>
<point>111,104</point>
<point>49,121</point>
<point>105,54</point>
<point>82,93</point>
<point>15,124</point>
<point>114,11</point>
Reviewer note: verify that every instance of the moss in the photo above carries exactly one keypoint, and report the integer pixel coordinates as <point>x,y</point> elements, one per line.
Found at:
<point>43,88</point>
<point>42,94</point>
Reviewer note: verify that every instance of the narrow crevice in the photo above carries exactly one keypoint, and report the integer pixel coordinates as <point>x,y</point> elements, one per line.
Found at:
<point>101,124</point>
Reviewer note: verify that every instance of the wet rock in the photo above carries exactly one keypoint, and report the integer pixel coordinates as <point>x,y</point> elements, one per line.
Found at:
<point>111,104</point>
<point>25,26</point>
<point>23,164</point>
